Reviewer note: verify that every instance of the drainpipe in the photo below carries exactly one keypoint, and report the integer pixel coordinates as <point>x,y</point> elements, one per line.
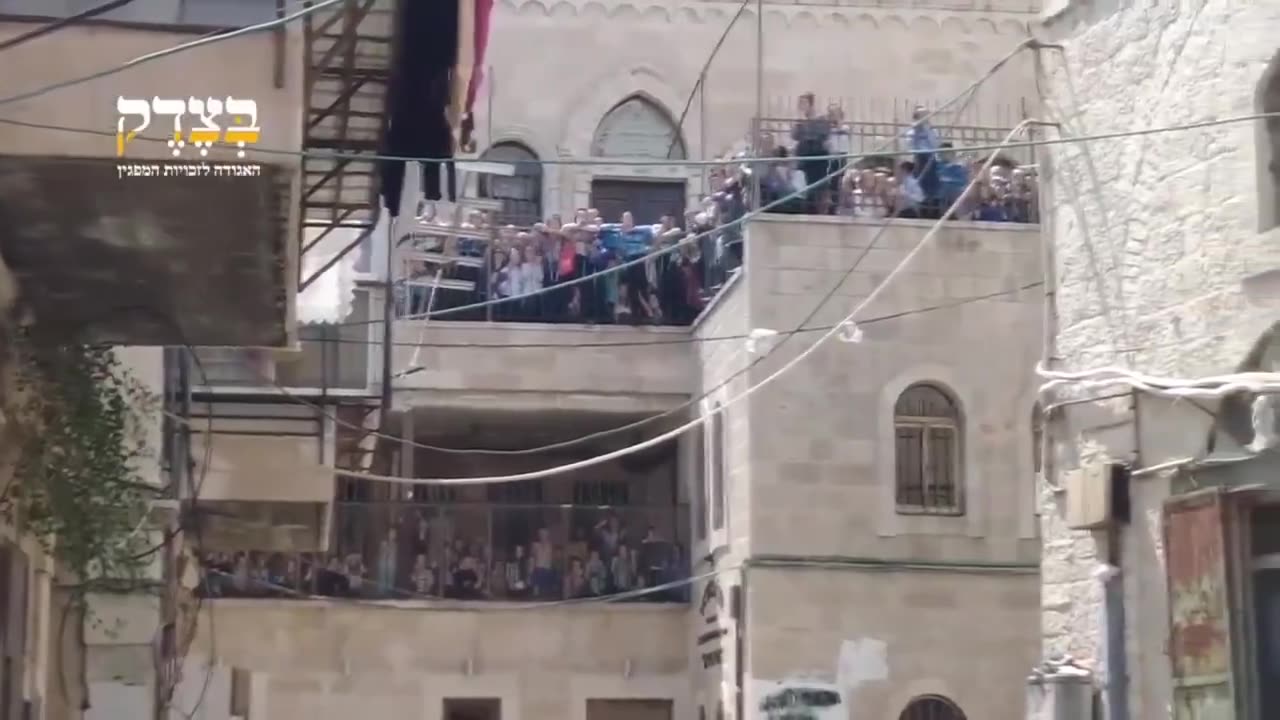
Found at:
<point>739,609</point>
<point>1116,678</point>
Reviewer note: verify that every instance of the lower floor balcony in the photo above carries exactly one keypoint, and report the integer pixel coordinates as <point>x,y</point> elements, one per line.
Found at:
<point>414,550</point>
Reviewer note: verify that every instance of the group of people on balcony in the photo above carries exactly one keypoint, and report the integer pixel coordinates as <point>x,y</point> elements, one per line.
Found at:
<point>411,561</point>
<point>923,185</point>
<point>535,273</point>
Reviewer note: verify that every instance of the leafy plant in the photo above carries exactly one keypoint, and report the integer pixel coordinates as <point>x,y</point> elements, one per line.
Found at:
<point>78,420</point>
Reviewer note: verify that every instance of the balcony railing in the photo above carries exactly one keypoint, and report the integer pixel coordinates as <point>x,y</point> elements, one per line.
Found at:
<point>480,551</point>
<point>444,271</point>
<point>877,185</point>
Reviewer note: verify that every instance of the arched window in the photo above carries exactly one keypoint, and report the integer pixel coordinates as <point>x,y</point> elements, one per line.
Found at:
<point>1268,101</point>
<point>931,707</point>
<point>521,194</point>
<point>638,127</point>
<point>927,453</point>
<point>715,467</point>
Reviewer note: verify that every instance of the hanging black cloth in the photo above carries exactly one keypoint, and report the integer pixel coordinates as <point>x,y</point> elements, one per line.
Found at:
<point>418,96</point>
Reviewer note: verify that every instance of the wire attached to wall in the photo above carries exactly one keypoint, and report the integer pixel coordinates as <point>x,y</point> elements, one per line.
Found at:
<point>719,408</point>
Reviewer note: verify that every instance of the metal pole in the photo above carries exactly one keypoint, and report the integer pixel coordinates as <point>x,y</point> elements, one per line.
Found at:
<point>756,128</point>
<point>759,61</point>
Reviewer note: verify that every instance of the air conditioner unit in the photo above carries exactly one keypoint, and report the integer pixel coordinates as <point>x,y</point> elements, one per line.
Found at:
<point>1097,495</point>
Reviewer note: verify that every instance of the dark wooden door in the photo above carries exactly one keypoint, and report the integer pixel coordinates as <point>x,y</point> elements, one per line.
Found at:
<point>647,201</point>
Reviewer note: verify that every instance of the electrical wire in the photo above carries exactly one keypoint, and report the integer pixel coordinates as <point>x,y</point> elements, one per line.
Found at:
<point>158,54</point>
<point>735,222</point>
<point>967,93</point>
<point>702,76</point>
<point>1211,387</point>
<point>293,397</point>
<point>60,23</point>
<point>408,595</point>
<point>640,162</point>
<point>684,340</point>
<point>719,408</point>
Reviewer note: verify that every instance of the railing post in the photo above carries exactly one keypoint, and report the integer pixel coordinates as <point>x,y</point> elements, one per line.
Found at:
<point>488,268</point>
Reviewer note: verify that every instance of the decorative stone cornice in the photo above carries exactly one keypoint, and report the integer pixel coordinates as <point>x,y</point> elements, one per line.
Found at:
<point>1004,17</point>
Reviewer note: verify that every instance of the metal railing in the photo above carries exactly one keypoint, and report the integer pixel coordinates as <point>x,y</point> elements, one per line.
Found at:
<point>875,185</point>
<point>443,268</point>
<point>474,551</point>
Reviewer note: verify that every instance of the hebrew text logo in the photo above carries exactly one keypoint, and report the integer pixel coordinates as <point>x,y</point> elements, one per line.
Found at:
<point>241,130</point>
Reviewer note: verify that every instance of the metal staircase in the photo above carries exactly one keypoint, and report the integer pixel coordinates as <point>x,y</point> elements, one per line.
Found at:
<point>349,49</point>
<point>443,261</point>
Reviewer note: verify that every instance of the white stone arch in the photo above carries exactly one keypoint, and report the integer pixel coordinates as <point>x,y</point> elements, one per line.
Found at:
<point>633,113</point>
<point>1267,100</point>
<point>602,93</point>
<point>606,92</point>
<point>890,523</point>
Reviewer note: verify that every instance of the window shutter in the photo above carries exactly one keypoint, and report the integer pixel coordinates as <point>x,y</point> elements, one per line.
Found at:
<point>1197,562</point>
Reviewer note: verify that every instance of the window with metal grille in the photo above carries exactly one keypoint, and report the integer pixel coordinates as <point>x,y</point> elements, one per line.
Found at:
<point>931,707</point>
<point>520,194</point>
<point>927,452</point>
<point>601,492</point>
<point>434,494</point>
<point>521,493</point>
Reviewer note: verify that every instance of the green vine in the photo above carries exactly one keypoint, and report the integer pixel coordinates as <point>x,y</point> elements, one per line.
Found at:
<point>77,417</point>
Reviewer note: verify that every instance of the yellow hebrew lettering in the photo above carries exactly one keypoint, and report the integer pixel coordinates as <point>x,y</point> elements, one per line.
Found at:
<point>206,110</point>
<point>244,120</point>
<point>176,108</point>
<point>130,106</point>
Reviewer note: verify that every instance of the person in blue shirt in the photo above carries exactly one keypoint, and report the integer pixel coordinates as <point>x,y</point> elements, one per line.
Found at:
<point>630,241</point>
<point>953,177</point>
<point>924,142</point>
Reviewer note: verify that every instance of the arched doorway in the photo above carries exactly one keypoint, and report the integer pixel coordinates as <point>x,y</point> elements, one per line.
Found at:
<point>521,194</point>
<point>931,707</point>
<point>638,128</point>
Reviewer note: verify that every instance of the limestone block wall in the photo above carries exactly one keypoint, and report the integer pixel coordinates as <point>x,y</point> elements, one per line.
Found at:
<point>657,48</point>
<point>567,366</point>
<point>879,639</point>
<point>1163,256</point>
<point>330,660</point>
<point>822,442</point>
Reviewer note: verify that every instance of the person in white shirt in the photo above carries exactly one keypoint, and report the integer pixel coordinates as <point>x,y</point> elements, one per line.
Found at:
<point>908,196</point>
<point>531,273</point>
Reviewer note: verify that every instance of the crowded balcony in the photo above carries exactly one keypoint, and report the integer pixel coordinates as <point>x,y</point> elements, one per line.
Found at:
<point>530,271</point>
<point>472,551</point>
<point>616,530</point>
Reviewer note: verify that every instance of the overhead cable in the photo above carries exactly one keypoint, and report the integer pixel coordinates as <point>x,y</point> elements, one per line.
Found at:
<point>60,23</point>
<point>158,54</point>
<point>719,408</point>
<point>641,162</point>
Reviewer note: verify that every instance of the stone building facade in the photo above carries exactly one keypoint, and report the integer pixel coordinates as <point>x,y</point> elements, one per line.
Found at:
<point>1164,248</point>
